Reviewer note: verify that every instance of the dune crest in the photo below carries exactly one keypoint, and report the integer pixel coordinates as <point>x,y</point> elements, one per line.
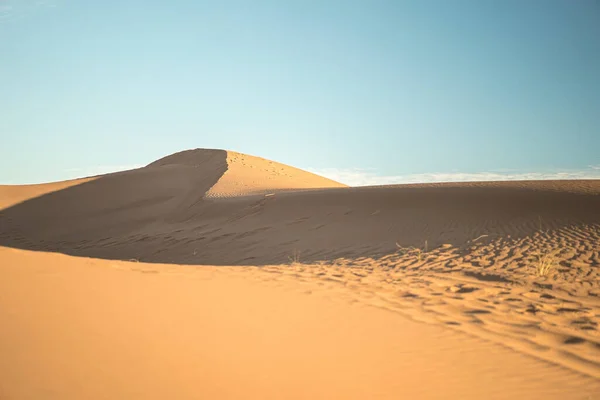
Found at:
<point>245,175</point>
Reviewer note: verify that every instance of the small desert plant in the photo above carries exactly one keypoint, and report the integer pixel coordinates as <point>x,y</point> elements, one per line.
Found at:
<point>295,257</point>
<point>413,250</point>
<point>544,264</point>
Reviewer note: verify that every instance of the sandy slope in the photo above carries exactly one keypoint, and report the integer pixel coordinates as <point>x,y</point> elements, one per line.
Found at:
<point>247,175</point>
<point>77,328</point>
<point>461,258</point>
<point>11,195</point>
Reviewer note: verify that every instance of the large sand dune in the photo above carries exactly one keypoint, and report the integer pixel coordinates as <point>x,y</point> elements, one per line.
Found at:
<point>218,208</point>
<point>441,280</point>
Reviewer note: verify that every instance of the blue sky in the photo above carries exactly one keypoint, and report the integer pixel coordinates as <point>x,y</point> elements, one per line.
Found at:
<point>366,92</point>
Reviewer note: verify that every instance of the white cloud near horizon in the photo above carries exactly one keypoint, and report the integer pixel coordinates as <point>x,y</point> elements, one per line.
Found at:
<point>365,177</point>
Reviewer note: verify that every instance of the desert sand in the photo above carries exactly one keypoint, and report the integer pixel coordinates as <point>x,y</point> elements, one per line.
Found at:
<point>213,274</point>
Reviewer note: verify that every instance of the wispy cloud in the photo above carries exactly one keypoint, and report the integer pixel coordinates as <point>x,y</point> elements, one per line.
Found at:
<point>73,173</point>
<point>11,10</point>
<point>365,177</point>
<point>6,10</point>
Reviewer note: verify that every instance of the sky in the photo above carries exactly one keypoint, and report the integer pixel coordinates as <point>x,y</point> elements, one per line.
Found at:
<point>365,92</point>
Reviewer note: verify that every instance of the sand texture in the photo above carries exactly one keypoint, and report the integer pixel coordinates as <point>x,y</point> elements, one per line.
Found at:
<point>213,274</point>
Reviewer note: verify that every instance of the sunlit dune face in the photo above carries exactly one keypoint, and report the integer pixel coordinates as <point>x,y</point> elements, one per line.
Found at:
<point>249,175</point>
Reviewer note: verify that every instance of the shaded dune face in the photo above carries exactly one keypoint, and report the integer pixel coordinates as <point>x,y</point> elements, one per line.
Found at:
<point>209,207</point>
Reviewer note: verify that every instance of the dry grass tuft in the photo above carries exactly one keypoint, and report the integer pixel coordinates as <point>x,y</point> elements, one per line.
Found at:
<point>545,263</point>
<point>418,252</point>
<point>295,257</point>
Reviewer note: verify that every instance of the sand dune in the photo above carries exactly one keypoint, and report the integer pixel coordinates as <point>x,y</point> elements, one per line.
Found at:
<point>94,329</point>
<point>431,270</point>
<point>208,207</point>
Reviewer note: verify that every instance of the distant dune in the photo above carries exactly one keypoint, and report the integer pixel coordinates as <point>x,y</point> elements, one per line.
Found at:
<point>505,273</point>
<point>219,173</point>
<point>224,208</point>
